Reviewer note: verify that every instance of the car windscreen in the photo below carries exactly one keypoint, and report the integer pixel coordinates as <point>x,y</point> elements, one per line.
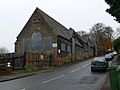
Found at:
<point>100,59</point>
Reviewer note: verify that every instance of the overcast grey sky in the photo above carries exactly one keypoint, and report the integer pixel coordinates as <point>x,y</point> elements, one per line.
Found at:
<point>78,14</point>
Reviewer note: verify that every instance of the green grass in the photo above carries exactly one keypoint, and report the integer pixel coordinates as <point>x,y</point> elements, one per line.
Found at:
<point>30,70</point>
<point>19,71</point>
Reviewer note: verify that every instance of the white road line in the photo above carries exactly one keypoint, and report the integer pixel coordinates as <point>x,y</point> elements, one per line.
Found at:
<point>53,79</point>
<point>23,89</point>
<point>86,65</point>
<point>75,70</point>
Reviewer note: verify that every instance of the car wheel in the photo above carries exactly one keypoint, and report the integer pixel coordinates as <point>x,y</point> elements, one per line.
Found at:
<point>92,70</point>
<point>106,70</point>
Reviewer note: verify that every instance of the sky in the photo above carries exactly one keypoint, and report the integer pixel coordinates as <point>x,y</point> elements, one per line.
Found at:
<point>77,14</point>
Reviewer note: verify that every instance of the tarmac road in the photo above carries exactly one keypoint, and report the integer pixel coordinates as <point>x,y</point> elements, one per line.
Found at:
<point>74,76</point>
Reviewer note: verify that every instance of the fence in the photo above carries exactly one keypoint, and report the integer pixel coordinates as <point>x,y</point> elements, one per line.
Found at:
<point>36,60</point>
<point>29,60</point>
<point>17,60</point>
<point>33,60</point>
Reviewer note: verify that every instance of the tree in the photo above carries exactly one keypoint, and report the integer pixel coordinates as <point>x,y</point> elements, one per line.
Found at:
<point>114,9</point>
<point>3,50</point>
<point>109,32</point>
<point>116,44</point>
<point>116,34</point>
<point>81,33</point>
<point>102,35</point>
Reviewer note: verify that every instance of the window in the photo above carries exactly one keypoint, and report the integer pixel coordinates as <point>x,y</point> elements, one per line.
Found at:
<point>86,47</point>
<point>36,41</point>
<point>68,48</point>
<point>47,42</point>
<point>62,46</point>
<point>78,49</point>
<point>26,44</point>
<point>82,51</point>
<point>73,45</point>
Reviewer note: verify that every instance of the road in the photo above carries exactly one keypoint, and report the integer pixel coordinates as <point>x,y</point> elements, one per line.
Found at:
<point>75,76</point>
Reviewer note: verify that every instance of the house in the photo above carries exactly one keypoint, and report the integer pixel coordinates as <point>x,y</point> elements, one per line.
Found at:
<point>44,34</point>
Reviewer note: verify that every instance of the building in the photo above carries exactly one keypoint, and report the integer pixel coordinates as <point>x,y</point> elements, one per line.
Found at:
<point>44,34</point>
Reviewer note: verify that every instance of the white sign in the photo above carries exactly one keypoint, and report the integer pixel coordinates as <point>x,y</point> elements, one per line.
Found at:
<point>59,51</point>
<point>42,57</point>
<point>54,45</point>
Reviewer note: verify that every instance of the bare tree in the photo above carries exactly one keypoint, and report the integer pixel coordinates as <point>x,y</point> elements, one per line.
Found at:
<point>109,31</point>
<point>102,35</point>
<point>3,50</point>
<point>116,34</point>
<point>81,33</point>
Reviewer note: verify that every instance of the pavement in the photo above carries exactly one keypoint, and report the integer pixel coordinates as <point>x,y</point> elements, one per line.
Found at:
<point>15,76</point>
<point>106,85</point>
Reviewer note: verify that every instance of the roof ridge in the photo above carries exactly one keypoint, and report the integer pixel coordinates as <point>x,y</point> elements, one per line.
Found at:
<point>51,17</point>
<point>59,28</point>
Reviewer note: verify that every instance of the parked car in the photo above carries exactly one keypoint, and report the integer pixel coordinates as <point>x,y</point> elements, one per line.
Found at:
<point>114,52</point>
<point>99,63</point>
<point>109,56</point>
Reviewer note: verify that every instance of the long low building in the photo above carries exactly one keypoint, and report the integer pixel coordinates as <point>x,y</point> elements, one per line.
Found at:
<point>44,34</point>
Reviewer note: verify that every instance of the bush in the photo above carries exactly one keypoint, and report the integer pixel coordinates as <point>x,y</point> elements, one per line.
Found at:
<point>2,67</point>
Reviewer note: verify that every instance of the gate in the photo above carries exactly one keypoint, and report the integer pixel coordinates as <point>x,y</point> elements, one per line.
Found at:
<point>36,60</point>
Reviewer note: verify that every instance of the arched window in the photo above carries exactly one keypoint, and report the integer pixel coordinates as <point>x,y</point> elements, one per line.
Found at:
<point>36,41</point>
<point>26,44</point>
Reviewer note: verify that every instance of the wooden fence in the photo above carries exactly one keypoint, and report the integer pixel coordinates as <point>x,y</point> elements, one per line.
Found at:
<point>17,60</point>
<point>36,60</point>
<point>29,60</point>
<point>33,60</point>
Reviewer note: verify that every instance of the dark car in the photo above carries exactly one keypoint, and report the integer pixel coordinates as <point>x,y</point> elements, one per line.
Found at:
<point>99,63</point>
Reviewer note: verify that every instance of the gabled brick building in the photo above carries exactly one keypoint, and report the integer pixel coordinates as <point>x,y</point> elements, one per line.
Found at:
<point>43,33</point>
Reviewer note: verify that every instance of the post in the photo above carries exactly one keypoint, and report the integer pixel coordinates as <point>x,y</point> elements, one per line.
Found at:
<point>13,58</point>
<point>9,68</point>
<point>24,62</point>
<point>50,59</point>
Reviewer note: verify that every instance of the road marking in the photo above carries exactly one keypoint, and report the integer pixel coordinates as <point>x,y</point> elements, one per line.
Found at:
<point>75,70</point>
<point>86,65</point>
<point>53,79</point>
<point>23,89</point>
